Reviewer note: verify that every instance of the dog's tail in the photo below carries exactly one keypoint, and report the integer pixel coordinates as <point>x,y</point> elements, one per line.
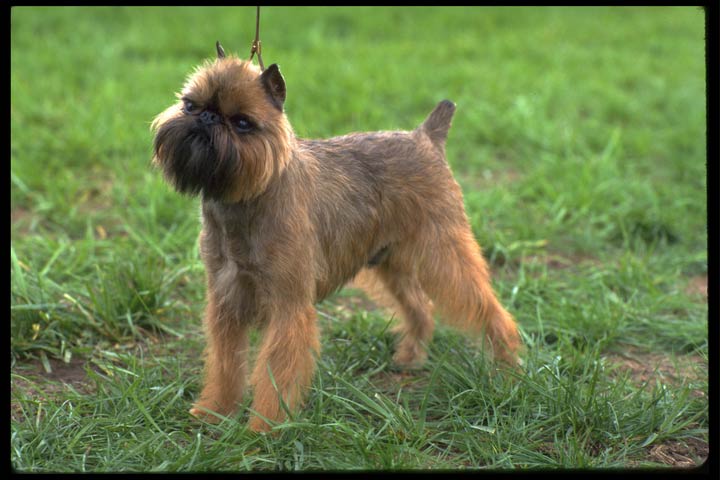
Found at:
<point>437,124</point>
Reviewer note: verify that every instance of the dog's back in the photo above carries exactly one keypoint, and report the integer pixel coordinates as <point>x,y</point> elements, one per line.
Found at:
<point>397,182</point>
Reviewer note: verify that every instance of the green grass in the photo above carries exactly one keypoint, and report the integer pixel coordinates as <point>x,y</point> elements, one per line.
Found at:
<point>579,141</point>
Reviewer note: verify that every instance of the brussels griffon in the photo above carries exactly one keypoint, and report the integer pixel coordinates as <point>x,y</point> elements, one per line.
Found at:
<point>287,221</point>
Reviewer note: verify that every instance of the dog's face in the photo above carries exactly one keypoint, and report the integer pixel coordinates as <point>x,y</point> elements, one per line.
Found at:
<point>227,136</point>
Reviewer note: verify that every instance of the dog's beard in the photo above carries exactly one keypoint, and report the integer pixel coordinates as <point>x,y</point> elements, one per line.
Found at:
<point>197,159</point>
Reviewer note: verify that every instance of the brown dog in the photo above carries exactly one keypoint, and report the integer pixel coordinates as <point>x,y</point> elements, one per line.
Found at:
<point>287,221</point>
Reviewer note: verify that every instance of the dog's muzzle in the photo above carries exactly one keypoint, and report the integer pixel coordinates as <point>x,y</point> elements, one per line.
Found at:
<point>209,118</point>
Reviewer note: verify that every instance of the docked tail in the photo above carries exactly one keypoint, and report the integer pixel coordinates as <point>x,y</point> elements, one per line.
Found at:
<point>437,124</point>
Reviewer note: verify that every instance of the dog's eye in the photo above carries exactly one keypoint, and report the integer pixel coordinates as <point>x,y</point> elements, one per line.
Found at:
<point>243,125</point>
<point>188,106</point>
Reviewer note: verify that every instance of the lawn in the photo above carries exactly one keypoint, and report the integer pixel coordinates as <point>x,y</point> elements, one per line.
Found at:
<point>579,142</point>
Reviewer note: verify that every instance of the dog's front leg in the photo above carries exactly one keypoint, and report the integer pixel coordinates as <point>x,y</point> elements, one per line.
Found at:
<point>285,364</point>
<point>225,363</point>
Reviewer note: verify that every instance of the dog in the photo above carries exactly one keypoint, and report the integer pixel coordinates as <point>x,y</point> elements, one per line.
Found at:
<point>287,221</point>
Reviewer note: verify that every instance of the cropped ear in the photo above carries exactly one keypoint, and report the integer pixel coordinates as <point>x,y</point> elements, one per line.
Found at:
<point>274,85</point>
<point>220,51</point>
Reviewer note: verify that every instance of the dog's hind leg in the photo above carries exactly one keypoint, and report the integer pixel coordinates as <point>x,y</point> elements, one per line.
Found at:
<point>455,275</point>
<point>399,291</point>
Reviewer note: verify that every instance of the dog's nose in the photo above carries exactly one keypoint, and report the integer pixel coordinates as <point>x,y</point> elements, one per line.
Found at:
<point>209,118</point>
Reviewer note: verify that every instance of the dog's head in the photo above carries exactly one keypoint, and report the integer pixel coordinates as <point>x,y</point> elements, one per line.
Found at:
<point>227,137</point>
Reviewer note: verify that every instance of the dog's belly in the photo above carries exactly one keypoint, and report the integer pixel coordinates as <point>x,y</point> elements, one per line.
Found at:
<point>333,279</point>
<point>340,269</point>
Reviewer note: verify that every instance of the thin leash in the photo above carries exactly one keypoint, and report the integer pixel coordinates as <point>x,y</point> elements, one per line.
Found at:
<point>257,44</point>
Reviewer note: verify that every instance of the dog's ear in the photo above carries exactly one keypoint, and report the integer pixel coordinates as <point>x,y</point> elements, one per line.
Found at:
<point>274,85</point>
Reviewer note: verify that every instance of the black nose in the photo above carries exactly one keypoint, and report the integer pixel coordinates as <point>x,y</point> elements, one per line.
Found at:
<point>209,118</point>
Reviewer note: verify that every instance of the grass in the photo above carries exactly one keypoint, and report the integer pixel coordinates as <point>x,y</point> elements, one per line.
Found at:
<point>579,141</point>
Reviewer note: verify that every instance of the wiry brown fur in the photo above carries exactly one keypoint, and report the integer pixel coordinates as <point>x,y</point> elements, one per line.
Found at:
<point>296,219</point>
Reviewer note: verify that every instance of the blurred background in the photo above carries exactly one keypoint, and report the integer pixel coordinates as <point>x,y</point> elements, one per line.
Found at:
<point>530,83</point>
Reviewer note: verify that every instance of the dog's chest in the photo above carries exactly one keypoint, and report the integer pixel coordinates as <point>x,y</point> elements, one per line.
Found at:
<point>227,243</point>
<point>234,275</point>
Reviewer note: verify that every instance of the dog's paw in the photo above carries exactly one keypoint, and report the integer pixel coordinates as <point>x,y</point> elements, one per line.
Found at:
<point>258,425</point>
<point>206,414</point>
<point>406,359</point>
